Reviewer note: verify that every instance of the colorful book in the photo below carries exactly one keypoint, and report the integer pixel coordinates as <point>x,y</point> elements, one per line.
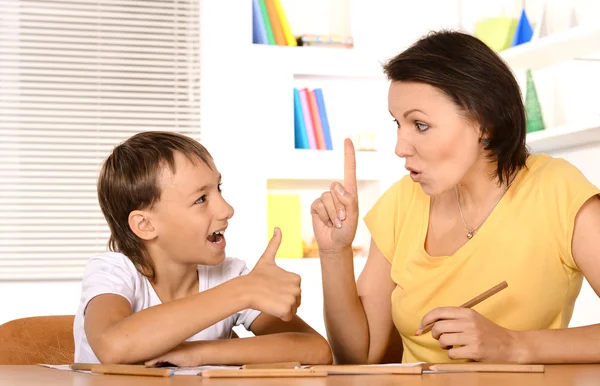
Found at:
<point>300,137</point>
<point>287,32</point>
<point>316,119</point>
<point>275,23</point>
<point>310,131</point>
<point>324,120</point>
<point>267,22</point>
<point>259,34</point>
<point>284,212</point>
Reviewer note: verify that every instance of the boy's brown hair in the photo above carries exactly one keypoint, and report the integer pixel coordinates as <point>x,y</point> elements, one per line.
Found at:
<point>128,181</point>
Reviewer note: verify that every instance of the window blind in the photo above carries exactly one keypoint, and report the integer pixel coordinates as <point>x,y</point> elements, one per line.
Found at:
<point>76,78</point>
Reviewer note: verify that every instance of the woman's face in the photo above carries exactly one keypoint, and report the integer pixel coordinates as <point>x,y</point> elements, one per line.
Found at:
<point>440,144</point>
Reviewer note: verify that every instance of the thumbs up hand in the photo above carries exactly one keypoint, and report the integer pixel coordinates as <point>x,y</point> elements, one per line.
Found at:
<point>335,213</point>
<point>273,290</point>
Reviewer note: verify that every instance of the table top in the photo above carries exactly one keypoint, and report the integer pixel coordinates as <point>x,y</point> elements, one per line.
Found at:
<point>572,375</point>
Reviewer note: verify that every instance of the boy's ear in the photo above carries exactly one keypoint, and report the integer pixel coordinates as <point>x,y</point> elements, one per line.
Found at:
<point>139,223</point>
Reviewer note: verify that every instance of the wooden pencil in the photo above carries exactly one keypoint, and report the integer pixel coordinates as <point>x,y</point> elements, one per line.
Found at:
<point>132,370</point>
<point>368,369</point>
<point>471,303</point>
<point>486,367</point>
<point>278,365</point>
<point>263,373</point>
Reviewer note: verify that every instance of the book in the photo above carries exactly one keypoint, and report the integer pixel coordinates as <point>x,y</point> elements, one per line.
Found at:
<point>324,120</point>
<point>287,32</point>
<point>275,23</point>
<point>316,119</point>
<point>300,136</point>
<point>267,22</point>
<point>284,212</point>
<point>310,131</point>
<point>259,34</point>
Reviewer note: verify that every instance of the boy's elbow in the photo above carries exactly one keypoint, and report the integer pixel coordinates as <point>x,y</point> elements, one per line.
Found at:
<point>323,350</point>
<point>110,351</point>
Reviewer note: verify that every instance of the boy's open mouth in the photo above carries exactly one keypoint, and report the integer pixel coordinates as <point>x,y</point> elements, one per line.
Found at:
<point>215,237</point>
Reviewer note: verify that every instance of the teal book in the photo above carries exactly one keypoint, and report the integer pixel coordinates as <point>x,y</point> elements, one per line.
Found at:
<point>300,137</point>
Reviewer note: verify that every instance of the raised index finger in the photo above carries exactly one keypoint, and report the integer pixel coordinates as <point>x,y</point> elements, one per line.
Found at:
<point>349,167</point>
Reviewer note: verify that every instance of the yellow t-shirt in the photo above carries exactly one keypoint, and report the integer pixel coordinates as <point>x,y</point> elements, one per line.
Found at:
<point>526,241</point>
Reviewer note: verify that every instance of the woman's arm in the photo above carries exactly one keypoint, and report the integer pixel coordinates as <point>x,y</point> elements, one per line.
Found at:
<point>468,335</point>
<point>358,316</point>
<point>276,341</point>
<point>573,345</point>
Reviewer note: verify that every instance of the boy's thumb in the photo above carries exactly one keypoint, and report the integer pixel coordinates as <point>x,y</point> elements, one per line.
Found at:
<point>272,247</point>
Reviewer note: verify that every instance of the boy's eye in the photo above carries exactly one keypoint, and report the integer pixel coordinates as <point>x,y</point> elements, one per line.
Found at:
<point>219,187</point>
<point>201,200</point>
<point>421,126</point>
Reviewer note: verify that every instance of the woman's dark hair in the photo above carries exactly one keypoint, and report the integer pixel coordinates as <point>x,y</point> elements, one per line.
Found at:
<point>479,82</point>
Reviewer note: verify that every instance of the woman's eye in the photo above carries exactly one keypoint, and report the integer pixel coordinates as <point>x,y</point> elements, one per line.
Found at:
<point>421,126</point>
<point>397,123</point>
<point>220,187</point>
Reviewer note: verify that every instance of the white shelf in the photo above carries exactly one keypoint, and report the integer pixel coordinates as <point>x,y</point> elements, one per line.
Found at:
<point>322,165</point>
<point>577,134</point>
<point>571,44</point>
<point>321,61</point>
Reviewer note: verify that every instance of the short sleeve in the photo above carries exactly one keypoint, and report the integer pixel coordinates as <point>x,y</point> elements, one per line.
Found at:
<point>382,218</point>
<point>107,273</point>
<point>235,268</point>
<point>571,190</point>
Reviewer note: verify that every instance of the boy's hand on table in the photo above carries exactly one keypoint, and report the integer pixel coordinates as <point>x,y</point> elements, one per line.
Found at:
<point>271,289</point>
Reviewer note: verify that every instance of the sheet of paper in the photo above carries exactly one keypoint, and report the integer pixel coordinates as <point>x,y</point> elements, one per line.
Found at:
<point>64,367</point>
<point>177,370</point>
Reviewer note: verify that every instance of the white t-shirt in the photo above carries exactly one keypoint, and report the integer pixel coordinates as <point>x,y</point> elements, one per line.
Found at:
<point>114,273</point>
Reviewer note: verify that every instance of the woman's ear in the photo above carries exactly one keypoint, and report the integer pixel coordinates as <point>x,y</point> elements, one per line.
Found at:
<point>140,225</point>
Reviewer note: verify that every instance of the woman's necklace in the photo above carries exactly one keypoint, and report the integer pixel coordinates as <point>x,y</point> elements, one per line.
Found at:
<point>471,231</point>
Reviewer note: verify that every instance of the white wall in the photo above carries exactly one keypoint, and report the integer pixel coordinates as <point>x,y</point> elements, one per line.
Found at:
<point>399,22</point>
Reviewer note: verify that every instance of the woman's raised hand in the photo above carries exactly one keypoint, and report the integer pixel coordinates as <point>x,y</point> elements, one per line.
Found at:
<point>335,213</point>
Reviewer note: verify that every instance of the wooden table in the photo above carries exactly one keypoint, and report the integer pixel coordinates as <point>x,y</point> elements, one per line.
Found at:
<point>571,375</point>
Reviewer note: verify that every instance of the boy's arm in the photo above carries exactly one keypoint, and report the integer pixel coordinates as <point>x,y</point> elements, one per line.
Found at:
<point>277,341</point>
<point>118,336</point>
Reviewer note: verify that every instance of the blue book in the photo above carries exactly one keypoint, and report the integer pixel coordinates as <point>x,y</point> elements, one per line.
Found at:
<point>300,136</point>
<point>324,120</point>
<point>524,32</point>
<point>259,33</point>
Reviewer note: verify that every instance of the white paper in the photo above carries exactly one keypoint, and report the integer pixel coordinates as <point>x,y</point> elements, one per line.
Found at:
<point>176,370</point>
<point>64,367</point>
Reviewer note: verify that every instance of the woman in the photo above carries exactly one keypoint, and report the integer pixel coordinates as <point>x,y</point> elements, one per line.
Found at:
<point>475,210</point>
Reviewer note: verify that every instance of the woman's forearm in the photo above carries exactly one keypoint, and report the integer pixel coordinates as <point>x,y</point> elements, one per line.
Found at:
<point>567,345</point>
<point>345,319</point>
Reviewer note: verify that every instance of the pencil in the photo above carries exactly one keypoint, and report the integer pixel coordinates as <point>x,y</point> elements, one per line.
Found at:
<point>132,370</point>
<point>471,303</point>
<point>277,365</point>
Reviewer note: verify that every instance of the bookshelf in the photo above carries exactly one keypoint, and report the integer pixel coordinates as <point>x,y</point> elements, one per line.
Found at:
<point>542,55</point>
<point>567,136</point>
<point>573,43</point>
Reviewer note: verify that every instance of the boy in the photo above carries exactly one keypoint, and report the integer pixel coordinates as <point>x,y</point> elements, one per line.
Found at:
<point>166,292</point>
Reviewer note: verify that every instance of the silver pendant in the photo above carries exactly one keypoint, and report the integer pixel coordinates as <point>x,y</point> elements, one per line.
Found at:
<point>469,235</point>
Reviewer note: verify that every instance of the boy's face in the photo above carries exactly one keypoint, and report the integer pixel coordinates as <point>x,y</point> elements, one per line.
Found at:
<point>191,216</point>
